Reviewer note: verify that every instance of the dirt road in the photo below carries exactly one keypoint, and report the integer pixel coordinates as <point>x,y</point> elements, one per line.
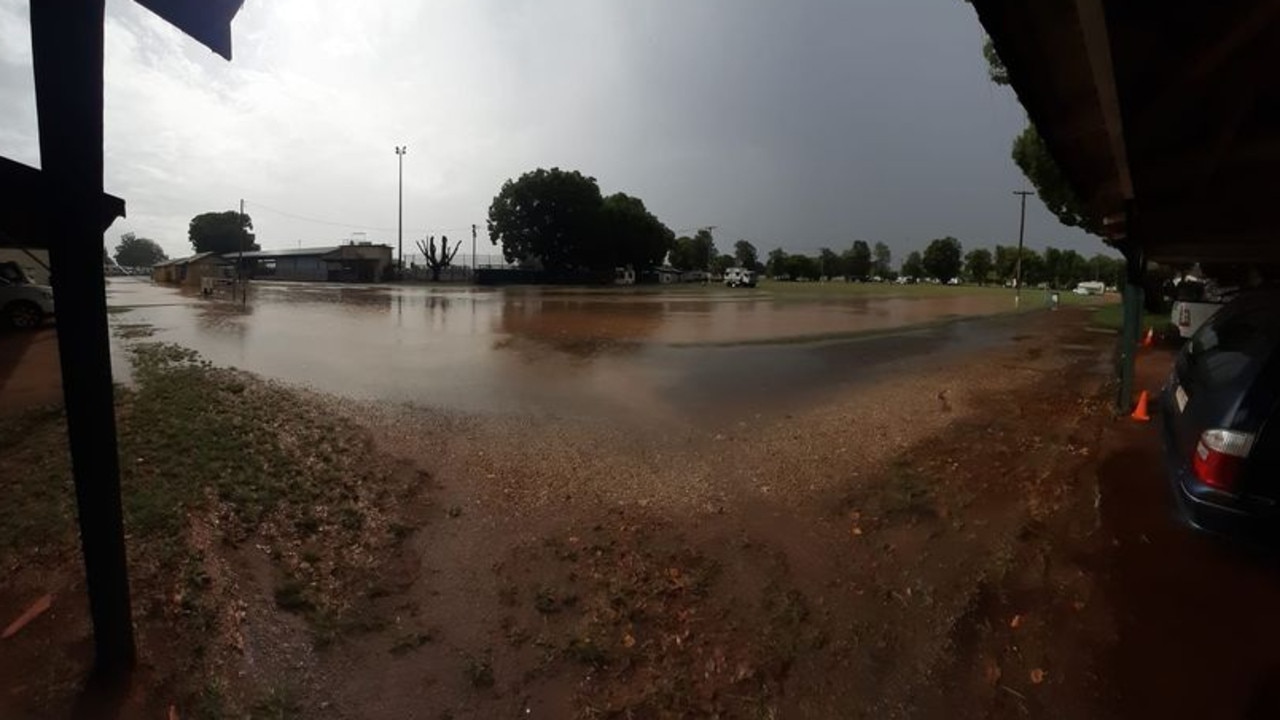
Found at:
<point>30,374</point>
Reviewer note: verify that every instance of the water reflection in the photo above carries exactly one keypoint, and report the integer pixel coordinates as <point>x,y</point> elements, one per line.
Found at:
<point>580,328</point>
<point>513,348</point>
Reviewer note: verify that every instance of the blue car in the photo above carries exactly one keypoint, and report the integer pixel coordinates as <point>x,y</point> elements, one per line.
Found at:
<point>1221,421</point>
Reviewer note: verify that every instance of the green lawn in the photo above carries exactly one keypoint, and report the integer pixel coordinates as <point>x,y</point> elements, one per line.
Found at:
<point>1031,298</point>
<point>1112,316</point>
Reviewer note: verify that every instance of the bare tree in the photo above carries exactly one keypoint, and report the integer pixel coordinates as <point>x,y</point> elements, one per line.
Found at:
<point>441,260</point>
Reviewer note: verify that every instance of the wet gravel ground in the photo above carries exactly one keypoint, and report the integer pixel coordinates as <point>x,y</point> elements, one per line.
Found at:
<point>840,501</point>
<point>686,464</point>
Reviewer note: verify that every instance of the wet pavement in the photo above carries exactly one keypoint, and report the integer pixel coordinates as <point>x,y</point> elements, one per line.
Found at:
<point>560,350</point>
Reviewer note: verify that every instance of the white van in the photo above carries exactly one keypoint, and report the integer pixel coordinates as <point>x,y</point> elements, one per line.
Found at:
<point>739,277</point>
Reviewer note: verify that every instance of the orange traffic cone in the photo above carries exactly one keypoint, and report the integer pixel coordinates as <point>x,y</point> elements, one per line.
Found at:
<point>1140,412</point>
<point>1149,339</point>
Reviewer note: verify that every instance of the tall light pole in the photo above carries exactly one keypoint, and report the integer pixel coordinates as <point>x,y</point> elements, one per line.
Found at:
<point>400,151</point>
<point>1022,226</point>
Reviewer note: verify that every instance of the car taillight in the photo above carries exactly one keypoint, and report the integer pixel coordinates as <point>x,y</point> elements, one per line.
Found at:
<point>1218,455</point>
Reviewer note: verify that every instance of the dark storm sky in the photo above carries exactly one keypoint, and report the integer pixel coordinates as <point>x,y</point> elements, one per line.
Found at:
<point>791,124</point>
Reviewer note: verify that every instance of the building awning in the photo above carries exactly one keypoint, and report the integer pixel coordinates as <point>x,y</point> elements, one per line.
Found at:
<point>1171,110</point>
<point>277,254</point>
<point>21,216</point>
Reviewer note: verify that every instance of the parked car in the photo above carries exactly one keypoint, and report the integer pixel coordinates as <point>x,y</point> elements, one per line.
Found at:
<point>23,305</point>
<point>739,277</point>
<point>1221,420</point>
<point>1195,301</point>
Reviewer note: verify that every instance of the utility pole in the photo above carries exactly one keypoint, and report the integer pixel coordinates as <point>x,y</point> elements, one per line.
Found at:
<point>1022,226</point>
<point>244,290</point>
<point>473,252</point>
<point>400,151</point>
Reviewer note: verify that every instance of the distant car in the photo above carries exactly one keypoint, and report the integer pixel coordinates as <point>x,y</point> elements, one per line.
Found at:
<point>23,305</point>
<point>1221,420</point>
<point>739,277</point>
<point>1089,288</point>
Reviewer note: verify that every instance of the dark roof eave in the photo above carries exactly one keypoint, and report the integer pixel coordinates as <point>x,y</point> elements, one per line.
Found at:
<point>21,214</point>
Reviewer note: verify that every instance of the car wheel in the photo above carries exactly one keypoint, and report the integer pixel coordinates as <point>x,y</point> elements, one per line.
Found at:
<point>23,315</point>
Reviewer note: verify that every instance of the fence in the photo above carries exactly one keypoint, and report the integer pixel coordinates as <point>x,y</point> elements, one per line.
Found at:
<point>461,260</point>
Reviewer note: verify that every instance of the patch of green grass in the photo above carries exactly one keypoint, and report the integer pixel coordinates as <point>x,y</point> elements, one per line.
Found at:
<point>291,596</point>
<point>37,509</point>
<point>907,492</point>
<point>411,641</point>
<point>479,671</point>
<point>1112,317</point>
<point>545,601</point>
<point>210,703</point>
<point>133,331</point>
<point>588,652</point>
<point>277,704</point>
<point>203,443</point>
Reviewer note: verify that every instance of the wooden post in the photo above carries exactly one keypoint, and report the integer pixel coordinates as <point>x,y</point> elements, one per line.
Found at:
<point>1134,273</point>
<point>67,46</point>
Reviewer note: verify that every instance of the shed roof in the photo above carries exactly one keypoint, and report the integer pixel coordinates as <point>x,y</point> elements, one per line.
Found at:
<point>186,260</point>
<point>1170,109</point>
<point>21,216</point>
<point>292,252</point>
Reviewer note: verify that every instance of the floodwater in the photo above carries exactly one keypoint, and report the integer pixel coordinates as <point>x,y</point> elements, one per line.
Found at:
<point>565,351</point>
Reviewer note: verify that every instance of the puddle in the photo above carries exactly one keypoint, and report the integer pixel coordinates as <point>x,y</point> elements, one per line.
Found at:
<point>567,351</point>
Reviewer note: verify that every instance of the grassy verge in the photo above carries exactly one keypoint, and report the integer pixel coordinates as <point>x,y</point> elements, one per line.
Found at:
<point>215,464</point>
<point>1112,318</point>
<point>1030,297</point>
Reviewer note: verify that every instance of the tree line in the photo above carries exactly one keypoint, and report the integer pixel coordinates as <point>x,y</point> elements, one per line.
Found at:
<point>560,221</point>
<point>944,259</point>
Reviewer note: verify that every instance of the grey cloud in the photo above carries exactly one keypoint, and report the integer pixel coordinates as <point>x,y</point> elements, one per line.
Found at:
<point>798,125</point>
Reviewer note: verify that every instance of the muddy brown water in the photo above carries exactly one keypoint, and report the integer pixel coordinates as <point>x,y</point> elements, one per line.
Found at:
<point>567,351</point>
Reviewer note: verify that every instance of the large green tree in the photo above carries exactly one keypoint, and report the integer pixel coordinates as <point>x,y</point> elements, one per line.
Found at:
<point>693,253</point>
<point>829,263</point>
<point>549,217</point>
<point>134,251</point>
<point>857,260</point>
<point>746,255</point>
<point>942,258</point>
<point>913,266</point>
<point>882,260</point>
<point>1106,269</point>
<point>703,250</point>
<point>1033,265</point>
<point>221,232</point>
<point>1032,157</point>
<point>776,265</point>
<point>722,262</point>
<point>629,235</point>
<point>681,254</point>
<point>978,264</point>
<point>803,266</point>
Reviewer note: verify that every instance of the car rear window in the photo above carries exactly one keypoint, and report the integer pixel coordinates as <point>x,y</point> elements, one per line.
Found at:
<point>1225,346</point>
<point>1189,291</point>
